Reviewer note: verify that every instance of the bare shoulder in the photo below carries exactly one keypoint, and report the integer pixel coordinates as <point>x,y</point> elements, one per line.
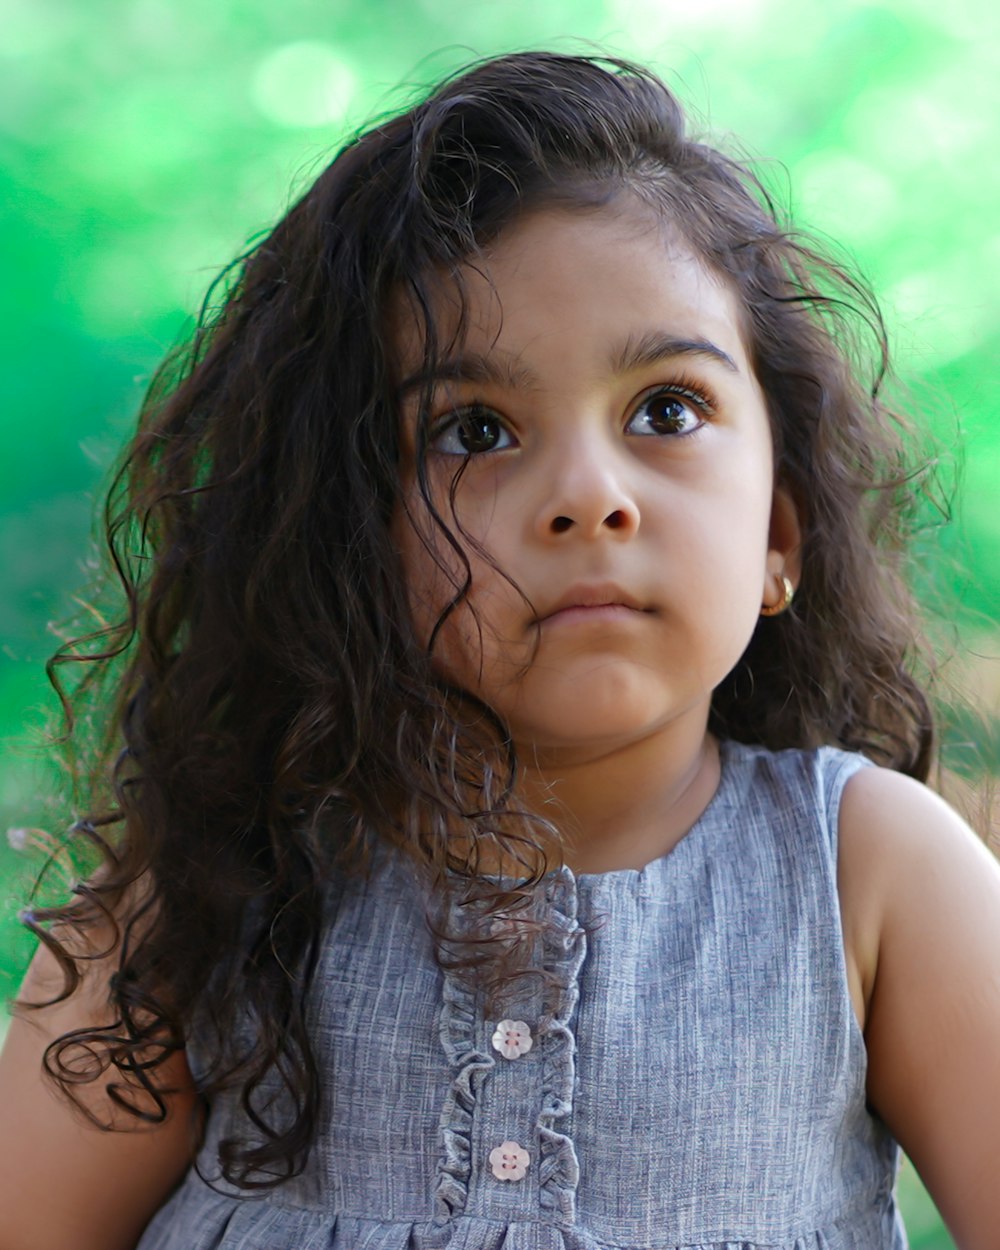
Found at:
<point>64,1180</point>
<point>920,896</point>
<point>900,842</point>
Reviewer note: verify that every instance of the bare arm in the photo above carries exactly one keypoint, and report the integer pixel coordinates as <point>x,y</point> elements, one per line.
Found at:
<point>64,1182</point>
<point>921,898</point>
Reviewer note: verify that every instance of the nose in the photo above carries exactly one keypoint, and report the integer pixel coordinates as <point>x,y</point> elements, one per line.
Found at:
<point>587,492</point>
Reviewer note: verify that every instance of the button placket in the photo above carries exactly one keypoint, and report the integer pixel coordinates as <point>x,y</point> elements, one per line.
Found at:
<point>509,1106</point>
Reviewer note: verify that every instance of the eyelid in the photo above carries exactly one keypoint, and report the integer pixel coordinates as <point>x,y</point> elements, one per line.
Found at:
<point>687,388</point>
<point>434,423</point>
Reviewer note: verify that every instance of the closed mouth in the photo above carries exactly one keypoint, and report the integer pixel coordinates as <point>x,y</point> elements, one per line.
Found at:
<point>596,600</point>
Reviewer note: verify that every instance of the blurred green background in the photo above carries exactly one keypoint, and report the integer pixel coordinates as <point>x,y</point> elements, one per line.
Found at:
<point>142,142</point>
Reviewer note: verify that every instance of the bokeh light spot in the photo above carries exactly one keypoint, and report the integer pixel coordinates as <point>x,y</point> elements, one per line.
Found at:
<point>916,126</point>
<point>306,83</point>
<point>651,21</point>
<point>30,29</point>
<point>940,314</point>
<point>846,197</point>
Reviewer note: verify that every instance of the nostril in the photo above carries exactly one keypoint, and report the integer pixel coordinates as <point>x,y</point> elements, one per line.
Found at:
<point>615,520</point>
<point>561,524</point>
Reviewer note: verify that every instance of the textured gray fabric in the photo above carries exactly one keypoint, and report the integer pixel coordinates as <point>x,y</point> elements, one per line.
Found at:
<point>696,1079</point>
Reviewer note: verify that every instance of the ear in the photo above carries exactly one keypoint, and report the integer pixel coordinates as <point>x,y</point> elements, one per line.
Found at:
<point>784,544</point>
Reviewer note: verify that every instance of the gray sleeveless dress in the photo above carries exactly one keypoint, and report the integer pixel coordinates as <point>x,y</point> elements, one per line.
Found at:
<point>692,1076</point>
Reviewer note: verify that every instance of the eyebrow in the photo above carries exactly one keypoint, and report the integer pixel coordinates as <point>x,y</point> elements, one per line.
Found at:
<point>500,369</point>
<point>656,346</point>
<point>503,370</point>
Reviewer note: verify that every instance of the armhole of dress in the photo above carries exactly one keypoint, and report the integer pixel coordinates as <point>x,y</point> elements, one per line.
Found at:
<point>836,770</point>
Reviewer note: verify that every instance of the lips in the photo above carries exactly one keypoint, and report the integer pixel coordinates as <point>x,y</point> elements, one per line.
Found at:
<point>592,596</point>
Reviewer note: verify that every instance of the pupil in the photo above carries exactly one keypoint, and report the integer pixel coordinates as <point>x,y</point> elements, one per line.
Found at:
<point>477,431</point>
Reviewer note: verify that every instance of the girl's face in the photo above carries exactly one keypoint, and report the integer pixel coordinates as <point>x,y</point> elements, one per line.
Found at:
<point>614,460</point>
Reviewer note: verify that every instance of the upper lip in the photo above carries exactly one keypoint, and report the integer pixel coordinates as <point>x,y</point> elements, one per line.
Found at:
<point>592,595</point>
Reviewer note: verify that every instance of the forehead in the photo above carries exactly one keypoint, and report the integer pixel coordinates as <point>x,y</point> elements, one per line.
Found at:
<point>619,271</point>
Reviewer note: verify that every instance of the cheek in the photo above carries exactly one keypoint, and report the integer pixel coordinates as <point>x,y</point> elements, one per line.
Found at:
<point>434,573</point>
<point>719,552</point>
<point>429,586</point>
<point>486,638</point>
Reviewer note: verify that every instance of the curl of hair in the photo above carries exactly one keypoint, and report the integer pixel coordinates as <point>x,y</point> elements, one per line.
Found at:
<point>269,716</point>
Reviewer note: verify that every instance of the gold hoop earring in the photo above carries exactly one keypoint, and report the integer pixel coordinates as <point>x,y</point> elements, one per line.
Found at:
<point>784,603</point>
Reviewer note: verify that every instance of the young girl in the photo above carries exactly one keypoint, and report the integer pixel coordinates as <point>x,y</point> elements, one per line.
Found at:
<point>511,829</point>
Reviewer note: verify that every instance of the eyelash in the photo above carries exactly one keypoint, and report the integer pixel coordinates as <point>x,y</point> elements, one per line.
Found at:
<point>682,387</point>
<point>688,388</point>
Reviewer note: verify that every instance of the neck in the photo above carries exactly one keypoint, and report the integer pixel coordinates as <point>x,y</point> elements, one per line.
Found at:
<point>624,806</point>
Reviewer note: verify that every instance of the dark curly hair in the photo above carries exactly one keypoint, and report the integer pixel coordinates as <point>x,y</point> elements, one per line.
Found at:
<point>268,716</point>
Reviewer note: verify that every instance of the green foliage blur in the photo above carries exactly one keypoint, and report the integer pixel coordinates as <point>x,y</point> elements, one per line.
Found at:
<point>144,142</point>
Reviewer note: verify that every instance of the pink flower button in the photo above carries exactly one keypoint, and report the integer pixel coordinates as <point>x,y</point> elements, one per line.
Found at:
<point>512,1038</point>
<point>509,1162</point>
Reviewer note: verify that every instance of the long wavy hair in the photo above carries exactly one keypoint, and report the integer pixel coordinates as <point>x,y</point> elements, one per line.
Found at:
<point>266,714</point>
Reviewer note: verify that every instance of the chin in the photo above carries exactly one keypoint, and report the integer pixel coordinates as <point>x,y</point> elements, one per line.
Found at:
<point>588,722</point>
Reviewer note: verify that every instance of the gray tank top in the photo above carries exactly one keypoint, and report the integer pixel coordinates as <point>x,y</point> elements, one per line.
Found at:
<point>691,1076</point>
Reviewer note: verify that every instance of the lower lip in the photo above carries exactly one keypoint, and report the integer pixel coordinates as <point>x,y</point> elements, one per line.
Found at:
<point>596,614</point>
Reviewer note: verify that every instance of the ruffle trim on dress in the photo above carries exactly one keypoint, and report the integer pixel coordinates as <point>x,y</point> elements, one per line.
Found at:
<point>458,1037</point>
<point>564,948</point>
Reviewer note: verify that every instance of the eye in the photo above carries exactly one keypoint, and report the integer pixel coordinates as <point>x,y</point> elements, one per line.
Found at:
<point>669,411</point>
<point>470,432</point>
